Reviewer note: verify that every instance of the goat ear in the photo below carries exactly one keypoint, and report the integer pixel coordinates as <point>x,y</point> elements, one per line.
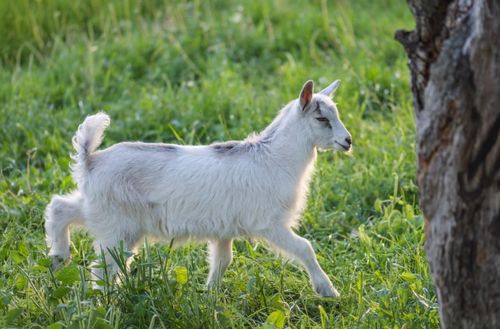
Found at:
<point>331,88</point>
<point>306,94</point>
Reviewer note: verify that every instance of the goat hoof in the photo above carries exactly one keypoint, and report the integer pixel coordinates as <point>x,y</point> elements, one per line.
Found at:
<point>58,262</point>
<point>212,285</point>
<point>327,290</point>
<point>97,286</point>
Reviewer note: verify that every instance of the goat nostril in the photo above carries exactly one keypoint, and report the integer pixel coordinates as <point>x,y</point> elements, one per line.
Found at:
<point>348,140</point>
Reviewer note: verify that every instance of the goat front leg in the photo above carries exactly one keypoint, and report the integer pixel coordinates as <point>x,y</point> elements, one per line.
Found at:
<point>300,249</point>
<point>220,255</point>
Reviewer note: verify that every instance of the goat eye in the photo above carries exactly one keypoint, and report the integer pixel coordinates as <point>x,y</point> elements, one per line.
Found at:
<point>322,119</point>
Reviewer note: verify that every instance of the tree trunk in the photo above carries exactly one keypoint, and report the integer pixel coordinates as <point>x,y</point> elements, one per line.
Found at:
<point>454,58</point>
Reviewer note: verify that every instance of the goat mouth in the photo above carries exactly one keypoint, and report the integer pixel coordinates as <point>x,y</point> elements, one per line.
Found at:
<point>346,148</point>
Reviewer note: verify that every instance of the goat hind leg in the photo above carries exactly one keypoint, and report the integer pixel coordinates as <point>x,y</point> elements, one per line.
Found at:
<point>105,247</point>
<point>60,213</point>
<point>220,257</point>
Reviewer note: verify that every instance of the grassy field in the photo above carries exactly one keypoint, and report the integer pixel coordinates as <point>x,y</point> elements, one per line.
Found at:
<point>198,72</point>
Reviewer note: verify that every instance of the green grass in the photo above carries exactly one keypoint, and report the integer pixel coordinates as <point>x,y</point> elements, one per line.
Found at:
<point>196,72</point>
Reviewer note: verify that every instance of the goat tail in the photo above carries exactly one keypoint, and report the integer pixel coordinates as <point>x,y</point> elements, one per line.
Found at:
<point>87,139</point>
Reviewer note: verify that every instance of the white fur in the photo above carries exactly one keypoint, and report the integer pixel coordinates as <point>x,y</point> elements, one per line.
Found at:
<point>252,188</point>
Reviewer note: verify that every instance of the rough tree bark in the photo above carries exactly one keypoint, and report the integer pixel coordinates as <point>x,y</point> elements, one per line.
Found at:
<point>454,58</point>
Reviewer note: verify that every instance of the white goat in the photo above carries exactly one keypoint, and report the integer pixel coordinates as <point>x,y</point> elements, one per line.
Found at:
<point>251,188</point>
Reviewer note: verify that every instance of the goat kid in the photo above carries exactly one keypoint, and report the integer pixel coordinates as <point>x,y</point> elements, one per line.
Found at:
<point>251,188</point>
